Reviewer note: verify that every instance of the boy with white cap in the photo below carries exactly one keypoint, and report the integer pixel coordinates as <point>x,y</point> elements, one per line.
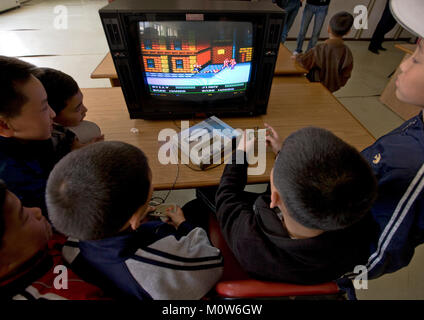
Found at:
<point>398,161</point>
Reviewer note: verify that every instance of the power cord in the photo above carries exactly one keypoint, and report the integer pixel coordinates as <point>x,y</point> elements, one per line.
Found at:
<point>153,201</point>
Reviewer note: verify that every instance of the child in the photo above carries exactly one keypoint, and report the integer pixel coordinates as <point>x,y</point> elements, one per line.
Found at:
<point>319,9</point>
<point>332,61</point>
<point>66,99</point>
<point>29,257</point>
<point>99,195</point>
<point>397,161</point>
<point>27,153</point>
<point>314,226</point>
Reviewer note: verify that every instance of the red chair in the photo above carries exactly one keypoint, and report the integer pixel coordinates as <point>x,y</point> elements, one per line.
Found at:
<point>236,284</point>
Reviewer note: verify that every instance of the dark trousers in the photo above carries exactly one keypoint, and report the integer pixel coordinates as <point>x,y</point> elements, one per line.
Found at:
<point>386,23</point>
<point>292,8</point>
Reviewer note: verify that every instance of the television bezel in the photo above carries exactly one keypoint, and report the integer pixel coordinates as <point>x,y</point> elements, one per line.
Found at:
<point>120,22</point>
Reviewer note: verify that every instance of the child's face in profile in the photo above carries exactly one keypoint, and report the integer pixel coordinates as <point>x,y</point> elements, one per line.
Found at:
<point>26,233</point>
<point>410,82</point>
<point>73,113</point>
<point>35,121</point>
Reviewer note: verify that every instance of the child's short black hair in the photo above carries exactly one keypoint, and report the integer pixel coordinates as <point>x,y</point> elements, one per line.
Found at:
<point>59,86</point>
<point>92,192</point>
<point>13,72</point>
<point>325,183</point>
<point>3,190</point>
<point>341,23</point>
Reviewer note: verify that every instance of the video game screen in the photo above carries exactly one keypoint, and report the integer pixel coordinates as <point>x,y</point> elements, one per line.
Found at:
<point>196,59</point>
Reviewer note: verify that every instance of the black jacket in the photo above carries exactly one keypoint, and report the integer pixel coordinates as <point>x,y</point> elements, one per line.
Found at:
<point>318,2</point>
<point>263,247</point>
<point>26,165</point>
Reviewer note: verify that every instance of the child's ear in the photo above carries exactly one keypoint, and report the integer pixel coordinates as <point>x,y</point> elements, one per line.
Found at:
<point>5,130</point>
<point>137,217</point>
<point>275,199</point>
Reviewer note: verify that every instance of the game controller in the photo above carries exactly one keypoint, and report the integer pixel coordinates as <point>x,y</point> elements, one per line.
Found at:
<point>160,210</point>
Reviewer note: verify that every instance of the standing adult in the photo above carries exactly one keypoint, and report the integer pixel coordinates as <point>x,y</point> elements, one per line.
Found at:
<point>386,23</point>
<point>319,9</point>
<point>292,8</point>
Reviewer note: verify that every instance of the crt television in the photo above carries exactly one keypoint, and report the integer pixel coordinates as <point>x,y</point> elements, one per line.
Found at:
<point>193,58</point>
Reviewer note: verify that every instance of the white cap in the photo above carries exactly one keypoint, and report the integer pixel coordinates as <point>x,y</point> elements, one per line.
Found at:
<point>409,14</point>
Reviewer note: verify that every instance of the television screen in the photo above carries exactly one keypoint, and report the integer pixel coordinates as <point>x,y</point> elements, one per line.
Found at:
<point>196,60</point>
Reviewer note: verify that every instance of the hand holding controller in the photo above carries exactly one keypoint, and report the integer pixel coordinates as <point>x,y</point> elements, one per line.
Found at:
<point>169,213</point>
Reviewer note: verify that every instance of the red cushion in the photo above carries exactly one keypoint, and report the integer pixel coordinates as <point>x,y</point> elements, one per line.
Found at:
<point>232,268</point>
<point>235,282</point>
<point>254,288</point>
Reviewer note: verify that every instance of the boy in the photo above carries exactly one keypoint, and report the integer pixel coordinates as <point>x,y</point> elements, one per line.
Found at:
<point>319,9</point>
<point>314,225</point>
<point>99,195</point>
<point>27,154</point>
<point>65,98</point>
<point>397,161</point>
<point>332,61</point>
<point>29,257</point>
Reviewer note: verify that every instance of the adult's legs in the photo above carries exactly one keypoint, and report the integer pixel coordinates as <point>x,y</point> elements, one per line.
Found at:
<point>308,13</point>
<point>320,14</point>
<point>386,23</point>
<point>292,9</point>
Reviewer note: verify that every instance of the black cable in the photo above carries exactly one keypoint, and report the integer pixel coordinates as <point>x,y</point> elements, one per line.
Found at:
<point>175,182</point>
<point>163,200</point>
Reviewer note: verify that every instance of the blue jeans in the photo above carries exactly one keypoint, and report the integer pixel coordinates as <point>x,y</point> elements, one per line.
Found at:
<point>320,12</point>
<point>292,9</point>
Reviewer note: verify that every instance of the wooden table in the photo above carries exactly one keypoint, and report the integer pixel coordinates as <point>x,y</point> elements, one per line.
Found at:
<point>292,106</point>
<point>285,67</point>
<point>388,96</point>
<point>406,47</point>
<point>106,69</point>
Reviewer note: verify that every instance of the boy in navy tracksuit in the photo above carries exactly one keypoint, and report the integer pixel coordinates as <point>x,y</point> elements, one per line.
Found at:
<point>99,195</point>
<point>397,160</point>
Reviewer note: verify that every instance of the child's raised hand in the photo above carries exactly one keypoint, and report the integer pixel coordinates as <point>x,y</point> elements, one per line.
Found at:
<point>273,139</point>
<point>176,217</point>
